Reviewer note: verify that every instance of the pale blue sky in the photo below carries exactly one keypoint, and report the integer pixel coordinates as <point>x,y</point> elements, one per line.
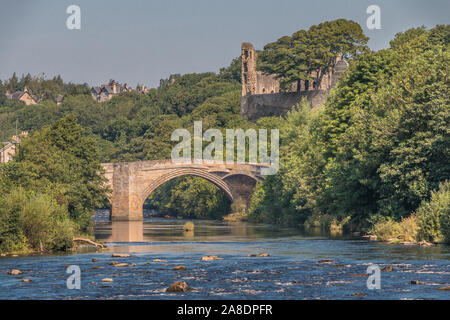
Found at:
<point>143,41</point>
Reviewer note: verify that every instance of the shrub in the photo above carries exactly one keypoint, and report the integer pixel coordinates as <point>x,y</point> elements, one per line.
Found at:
<point>33,221</point>
<point>387,228</point>
<point>238,206</point>
<point>326,222</point>
<point>434,216</point>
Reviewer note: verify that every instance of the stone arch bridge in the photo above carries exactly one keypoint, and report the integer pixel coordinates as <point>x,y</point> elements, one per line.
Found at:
<point>132,182</point>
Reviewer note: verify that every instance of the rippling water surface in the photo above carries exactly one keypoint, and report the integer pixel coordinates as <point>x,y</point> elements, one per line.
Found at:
<point>291,271</point>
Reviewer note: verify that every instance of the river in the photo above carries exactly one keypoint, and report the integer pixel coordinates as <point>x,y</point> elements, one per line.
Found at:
<point>293,269</point>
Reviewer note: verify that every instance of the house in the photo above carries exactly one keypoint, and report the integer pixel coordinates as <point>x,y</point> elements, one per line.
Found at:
<point>104,93</point>
<point>24,96</point>
<point>9,149</point>
<point>7,152</point>
<point>142,89</point>
<point>59,99</point>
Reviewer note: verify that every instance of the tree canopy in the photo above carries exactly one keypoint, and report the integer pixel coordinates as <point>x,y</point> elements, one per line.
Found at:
<point>310,54</point>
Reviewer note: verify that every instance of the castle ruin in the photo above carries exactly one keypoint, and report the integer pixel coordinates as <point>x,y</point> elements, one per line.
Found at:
<point>262,95</point>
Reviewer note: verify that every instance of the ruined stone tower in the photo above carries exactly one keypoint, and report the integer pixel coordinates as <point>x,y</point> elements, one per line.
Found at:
<point>249,58</point>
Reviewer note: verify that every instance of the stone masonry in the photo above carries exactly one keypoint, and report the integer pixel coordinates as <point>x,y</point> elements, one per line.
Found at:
<point>133,182</point>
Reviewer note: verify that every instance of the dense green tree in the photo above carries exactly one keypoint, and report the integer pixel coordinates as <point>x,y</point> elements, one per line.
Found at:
<point>380,145</point>
<point>309,55</point>
<point>63,162</point>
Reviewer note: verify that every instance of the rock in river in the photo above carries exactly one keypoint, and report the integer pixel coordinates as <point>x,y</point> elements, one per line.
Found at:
<point>179,286</point>
<point>179,268</point>
<point>15,272</point>
<point>325,261</point>
<point>120,265</point>
<point>260,255</point>
<point>121,255</point>
<point>210,258</point>
<point>388,269</point>
<point>358,294</point>
<point>107,280</point>
<point>444,288</point>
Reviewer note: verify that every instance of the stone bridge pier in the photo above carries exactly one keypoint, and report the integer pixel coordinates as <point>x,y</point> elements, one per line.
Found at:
<point>132,182</point>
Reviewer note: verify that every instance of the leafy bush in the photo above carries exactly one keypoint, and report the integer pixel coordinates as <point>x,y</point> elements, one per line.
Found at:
<point>32,221</point>
<point>12,238</point>
<point>238,206</point>
<point>326,222</point>
<point>434,215</point>
<point>387,228</point>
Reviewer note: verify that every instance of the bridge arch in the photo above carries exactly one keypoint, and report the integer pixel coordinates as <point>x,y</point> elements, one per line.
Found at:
<point>166,177</point>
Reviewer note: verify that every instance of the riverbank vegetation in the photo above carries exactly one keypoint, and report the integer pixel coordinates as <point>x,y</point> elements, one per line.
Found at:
<point>376,151</point>
<point>50,191</point>
<point>373,154</point>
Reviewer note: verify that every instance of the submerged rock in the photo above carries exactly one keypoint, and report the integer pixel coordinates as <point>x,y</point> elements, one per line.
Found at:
<point>179,268</point>
<point>444,288</point>
<point>15,272</point>
<point>179,286</point>
<point>417,282</point>
<point>388,269</point>
<point>260,255</point>
<point>118,265</point>
<point>358,294</point>
<point>359,275</point>
<point>27,280</point>
<point>159,260</point>
<point>107,280</point>
<point>94,260</point>
<point>121,255</point>
<point>210,258</point>
<point>113,263</point>
<point>325,261</point>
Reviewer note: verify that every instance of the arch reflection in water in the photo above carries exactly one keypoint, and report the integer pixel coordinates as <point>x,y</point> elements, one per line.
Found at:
<point>126,231</point>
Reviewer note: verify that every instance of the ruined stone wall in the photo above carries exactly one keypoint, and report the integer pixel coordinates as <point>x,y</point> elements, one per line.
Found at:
<point>261,93</point>
<point>277,104</point>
